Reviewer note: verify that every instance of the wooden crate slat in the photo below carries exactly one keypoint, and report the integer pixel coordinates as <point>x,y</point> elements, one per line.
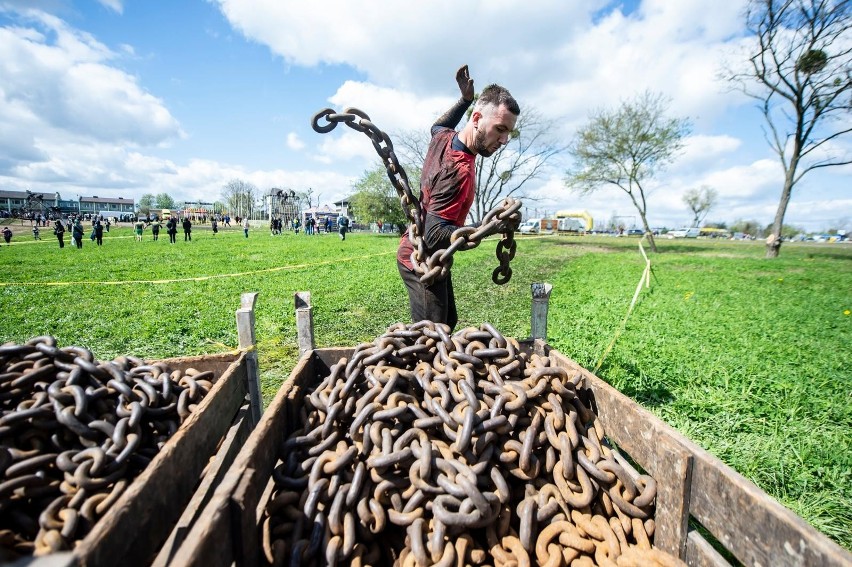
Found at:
<point>244,505</point>
<point>234,506</point>
<point>209,542</point>
<point>752,525</point>
<point>136,526</point>
<point>699,553</point>
<point>231,445</point>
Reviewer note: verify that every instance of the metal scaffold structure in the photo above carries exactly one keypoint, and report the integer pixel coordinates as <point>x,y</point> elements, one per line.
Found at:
<point>282,203</point>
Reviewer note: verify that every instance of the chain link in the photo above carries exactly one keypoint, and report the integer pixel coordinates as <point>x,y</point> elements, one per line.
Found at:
<point>429,448</point>
<point>74,432</point>
<point>504,218</point>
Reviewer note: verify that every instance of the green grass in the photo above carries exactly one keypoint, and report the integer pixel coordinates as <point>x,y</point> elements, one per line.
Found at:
<point>748,357</point>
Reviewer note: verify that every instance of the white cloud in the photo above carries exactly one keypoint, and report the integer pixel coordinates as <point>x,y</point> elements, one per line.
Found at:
<point>565,64</point>
<point>390,109</point>
<point>114,5</point>
<point>409,46</point>
<point>66,79</point>
<point>294,142</point>
<point>345,146</point>
<point>701,149</point>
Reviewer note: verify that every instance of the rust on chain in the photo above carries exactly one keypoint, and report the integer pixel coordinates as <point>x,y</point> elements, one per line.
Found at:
<point>426,448</point>
<point>73,433</point>
<point>502,219</point>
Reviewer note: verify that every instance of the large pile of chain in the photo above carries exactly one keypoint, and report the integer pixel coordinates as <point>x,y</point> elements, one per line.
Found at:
<point>504,218</point>
<point>429,448</point>
<point>74,432</point>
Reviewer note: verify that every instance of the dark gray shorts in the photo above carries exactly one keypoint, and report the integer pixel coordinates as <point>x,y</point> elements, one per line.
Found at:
<point>434,302</point>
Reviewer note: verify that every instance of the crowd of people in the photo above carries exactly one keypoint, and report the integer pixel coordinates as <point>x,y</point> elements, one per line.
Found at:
<point>312,225</point>
<point>96,226</point>
<point>74,226</point>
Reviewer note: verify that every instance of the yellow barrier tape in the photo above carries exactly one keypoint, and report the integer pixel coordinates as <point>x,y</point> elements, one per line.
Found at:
<point>201,278</point>
<point>231,350</point>
<point>646,280</point>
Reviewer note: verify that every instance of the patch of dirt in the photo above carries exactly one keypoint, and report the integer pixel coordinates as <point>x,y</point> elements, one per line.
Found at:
<point>587,247</point>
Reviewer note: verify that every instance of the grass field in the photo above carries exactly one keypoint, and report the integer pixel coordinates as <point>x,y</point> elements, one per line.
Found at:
<point>748,357</point>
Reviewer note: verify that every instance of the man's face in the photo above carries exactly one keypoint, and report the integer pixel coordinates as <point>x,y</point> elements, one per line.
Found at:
<point>493,129</point>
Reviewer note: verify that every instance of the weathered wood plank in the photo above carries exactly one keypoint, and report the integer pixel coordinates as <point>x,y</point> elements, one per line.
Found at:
<point>233,509</point>
<point>245,332</point>
<point>699,553</point>
<point>136,526</point>
<point>244,504</point>
<point>209,542</point>
<point>304,321</point>
<point>228,450</point>
<point>752,525</point>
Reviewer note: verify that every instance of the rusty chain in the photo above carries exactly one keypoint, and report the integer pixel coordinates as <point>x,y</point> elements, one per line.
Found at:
<point>74,432</point>
<point>427,448</point>
<point>503,218</point>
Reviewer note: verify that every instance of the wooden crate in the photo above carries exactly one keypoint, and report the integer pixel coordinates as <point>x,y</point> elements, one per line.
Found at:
<point>137,525</point>
<point>691,484</point>
<point>149,522</point>
<point>694,485</point>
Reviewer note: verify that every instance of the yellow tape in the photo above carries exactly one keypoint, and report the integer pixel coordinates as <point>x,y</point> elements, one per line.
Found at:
<point>646,280</point>
<point>231,350</point>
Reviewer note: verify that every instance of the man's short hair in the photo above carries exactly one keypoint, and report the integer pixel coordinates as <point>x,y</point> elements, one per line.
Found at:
<point>496,96</point>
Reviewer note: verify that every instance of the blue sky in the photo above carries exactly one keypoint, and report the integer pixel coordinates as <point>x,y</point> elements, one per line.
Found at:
<point>126,97</point>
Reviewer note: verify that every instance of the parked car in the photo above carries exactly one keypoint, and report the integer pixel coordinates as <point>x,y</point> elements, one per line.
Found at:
<point>538,225</point>
<point>684,233</point>
<point>529,227</point>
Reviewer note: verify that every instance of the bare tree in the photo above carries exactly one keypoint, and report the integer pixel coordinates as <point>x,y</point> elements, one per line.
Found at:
<point>240,197</point>
<point>307,197</point>
<point>625,147</point>
<point>800,72</point>
<point>508,172</point>
<point>700,201</point>
<point>523,159</point>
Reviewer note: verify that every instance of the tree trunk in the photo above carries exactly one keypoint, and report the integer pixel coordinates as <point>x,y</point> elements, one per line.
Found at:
<point>649,233</point>
<point>773,241</point>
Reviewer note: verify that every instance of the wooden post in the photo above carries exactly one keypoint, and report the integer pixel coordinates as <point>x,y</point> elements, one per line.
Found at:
<point>304,321</point>
<point>540,300</point>
<point>245,332</point>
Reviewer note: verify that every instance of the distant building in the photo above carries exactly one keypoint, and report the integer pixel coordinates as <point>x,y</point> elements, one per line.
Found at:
<point>16,203</point>
<point>107,206</point>
<point>343,207</point>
